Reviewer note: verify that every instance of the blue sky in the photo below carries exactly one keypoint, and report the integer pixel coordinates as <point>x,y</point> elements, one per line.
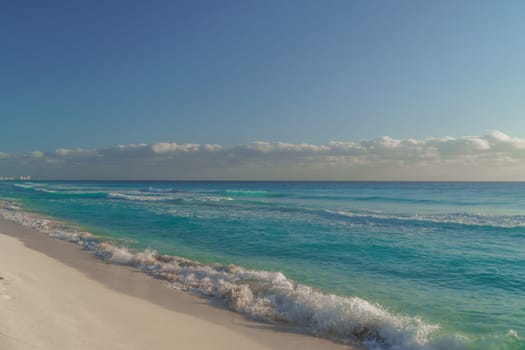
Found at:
<point>95,74</point>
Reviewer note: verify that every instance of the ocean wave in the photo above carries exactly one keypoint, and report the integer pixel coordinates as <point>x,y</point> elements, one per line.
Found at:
<point>253,193</point>
<point>141,198</point>
<point>28,186</point>
<point>25,186</point>
<point>151,189</point>
<point>390,199</point>
<point>11,211</point>
<point>261,295</point>
<point>167,198</point>
<point>339,197</point>
<point>63,192</point>
<point>466,219</point>
<point>210,199</point>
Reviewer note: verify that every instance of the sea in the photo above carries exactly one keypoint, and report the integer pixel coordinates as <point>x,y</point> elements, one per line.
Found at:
<point>385,265</point>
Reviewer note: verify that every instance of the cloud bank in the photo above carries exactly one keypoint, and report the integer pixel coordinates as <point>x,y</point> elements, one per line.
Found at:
<point>492,156</point>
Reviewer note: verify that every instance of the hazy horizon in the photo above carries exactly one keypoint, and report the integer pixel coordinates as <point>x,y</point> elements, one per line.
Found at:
<point>494,156</point>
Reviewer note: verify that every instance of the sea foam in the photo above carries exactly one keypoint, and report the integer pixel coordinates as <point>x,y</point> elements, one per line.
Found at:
<point>464,219</point>
<point>131,197</point>
<point>34,187</point>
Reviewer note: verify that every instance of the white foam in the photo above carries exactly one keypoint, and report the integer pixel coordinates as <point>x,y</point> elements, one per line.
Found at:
<point>212,198</point>
<point>160,189</point>
<point>455,218</point>
<point>140,198</point>
<point>29,186</point>
<point>24,186</point>
<point>50,227</point>
<point>270,296</point>
<point>513,334</point>
<point>164,197</point>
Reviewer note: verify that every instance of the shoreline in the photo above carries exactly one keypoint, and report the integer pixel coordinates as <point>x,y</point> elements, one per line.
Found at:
<point>61,296</point>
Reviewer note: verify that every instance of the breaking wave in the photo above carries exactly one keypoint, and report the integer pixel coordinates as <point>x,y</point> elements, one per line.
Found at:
<point>151,189</point>
<point>466,219</point>
<point>253,193</point>
<point>140,198</point>
<point>29,186</point>
<point>63,192</point>
<point>167,198</point>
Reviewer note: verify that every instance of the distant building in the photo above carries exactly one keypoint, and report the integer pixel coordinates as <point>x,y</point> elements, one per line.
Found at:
<point>13,178</point>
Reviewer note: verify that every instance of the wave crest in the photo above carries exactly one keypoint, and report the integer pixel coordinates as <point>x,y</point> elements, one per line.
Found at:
<point>33,187</point>
<point>253,193</point>
<point>270,296</point>
<point>466,219</point>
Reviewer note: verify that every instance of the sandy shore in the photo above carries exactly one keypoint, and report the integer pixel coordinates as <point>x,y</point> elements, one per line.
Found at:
<point>53,295</point>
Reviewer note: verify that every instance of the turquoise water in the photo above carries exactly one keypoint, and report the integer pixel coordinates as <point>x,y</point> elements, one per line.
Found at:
<point>426,254</point>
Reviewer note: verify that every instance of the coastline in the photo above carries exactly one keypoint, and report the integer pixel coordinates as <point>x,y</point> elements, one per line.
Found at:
<point>56,295</point>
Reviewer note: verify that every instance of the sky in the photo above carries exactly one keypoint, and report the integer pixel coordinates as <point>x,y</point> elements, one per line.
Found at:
<point>260,90</point>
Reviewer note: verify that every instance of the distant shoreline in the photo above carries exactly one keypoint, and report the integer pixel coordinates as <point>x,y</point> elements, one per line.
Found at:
<point>270,181</point>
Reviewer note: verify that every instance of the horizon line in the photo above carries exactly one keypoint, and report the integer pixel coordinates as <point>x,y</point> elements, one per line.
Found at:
<point>259,180</point>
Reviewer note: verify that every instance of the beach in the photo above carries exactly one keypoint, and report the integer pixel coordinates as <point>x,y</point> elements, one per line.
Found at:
<point>54,295</point>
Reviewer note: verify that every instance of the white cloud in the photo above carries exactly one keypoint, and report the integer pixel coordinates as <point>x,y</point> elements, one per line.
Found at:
<point>37,154</point>
<point>212,147</point>
<point>267,148</point>
<point>78,152</point>
<point>131,146</point>
<point>63,152</point>
<point>502,142</point>
<point>167,147</point>
<point>471,157</point>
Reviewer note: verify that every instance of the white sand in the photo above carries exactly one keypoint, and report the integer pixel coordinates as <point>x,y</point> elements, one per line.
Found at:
<point>55,296</point>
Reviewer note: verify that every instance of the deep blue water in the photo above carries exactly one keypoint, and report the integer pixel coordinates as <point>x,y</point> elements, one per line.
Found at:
<point>451,254</point>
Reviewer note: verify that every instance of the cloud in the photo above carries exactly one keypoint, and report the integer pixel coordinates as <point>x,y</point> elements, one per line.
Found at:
<point>166,147</point>
<point>212,148</point>
<point>494,155</point>
<point>37,154</point>
<point>79,152</point>
<point>269,148</point>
